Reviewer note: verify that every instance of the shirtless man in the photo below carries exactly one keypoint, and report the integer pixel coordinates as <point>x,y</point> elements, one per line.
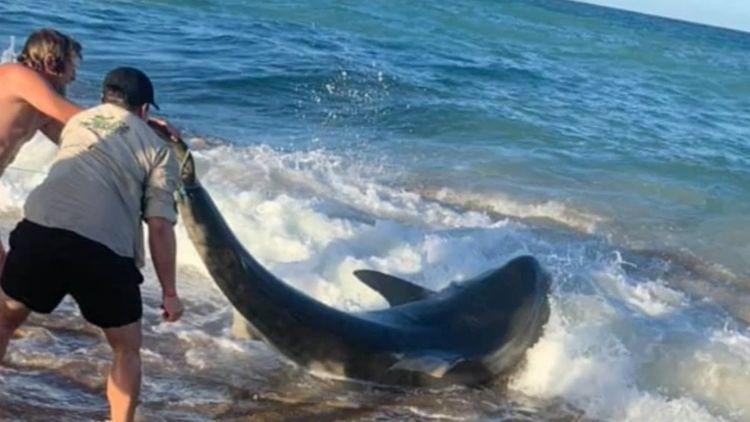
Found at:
<point>31,94</point>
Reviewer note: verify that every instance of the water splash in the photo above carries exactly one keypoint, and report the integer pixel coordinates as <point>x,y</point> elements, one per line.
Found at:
<point>9,54</point>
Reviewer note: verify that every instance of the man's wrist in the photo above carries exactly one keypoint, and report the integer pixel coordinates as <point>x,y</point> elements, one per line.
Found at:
<point>169,293</point>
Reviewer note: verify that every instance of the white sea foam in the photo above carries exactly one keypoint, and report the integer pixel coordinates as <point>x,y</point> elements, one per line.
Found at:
<point>9,54</point>
<point>555,211</point>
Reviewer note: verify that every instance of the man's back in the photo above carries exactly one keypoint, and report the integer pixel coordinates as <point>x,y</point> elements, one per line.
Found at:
<point>111,171</point>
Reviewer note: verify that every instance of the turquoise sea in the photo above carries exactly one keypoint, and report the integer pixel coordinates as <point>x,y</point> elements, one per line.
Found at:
<point>433,140</point>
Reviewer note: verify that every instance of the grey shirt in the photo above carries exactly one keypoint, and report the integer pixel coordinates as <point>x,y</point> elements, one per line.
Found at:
<point>112,172</point>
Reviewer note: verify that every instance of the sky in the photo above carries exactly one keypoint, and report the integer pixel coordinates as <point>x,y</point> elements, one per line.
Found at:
<point>734,14</point>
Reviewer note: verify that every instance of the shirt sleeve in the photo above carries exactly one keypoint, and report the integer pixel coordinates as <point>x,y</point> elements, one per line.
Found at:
<point>161,184</point>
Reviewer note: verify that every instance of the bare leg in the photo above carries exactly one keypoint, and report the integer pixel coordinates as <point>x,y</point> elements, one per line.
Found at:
<point>12,315</point>
<point>124,381</point>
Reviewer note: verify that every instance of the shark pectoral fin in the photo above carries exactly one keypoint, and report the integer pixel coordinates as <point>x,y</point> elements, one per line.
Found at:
<point>242,329</point>
<point>395,290</point>
<point>431,365</point>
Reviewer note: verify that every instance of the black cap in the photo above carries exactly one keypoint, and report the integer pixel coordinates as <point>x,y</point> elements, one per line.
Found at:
<point>133,84</point>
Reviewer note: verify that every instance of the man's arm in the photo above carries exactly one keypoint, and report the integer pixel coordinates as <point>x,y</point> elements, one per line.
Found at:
<point>163,246</point>
<point>160,214</point>
<point>52,130</point>
<point>32,88</point>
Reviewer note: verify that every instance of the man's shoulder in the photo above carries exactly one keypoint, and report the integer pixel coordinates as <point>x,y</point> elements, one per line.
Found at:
<point>101,120</point>
<point>105,109</point>
<point>10,74</point>
<point>15,74</point>
<point>108,119</point>
<point>14,69</point>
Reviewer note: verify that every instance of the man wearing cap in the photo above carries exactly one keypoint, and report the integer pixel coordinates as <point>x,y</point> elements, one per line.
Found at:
<point>81,233</point>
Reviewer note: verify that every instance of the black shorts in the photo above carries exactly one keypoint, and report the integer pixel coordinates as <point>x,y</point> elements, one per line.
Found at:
<point>45,264</point>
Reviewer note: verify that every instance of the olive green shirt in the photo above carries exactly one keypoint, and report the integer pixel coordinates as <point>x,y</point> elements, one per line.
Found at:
<point>111,172</point>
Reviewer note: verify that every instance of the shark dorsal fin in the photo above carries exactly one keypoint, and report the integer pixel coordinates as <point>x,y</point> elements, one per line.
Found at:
<point>395,290</point>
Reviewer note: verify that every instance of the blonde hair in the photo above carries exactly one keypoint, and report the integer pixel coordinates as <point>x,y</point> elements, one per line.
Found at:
<point>48,43</point>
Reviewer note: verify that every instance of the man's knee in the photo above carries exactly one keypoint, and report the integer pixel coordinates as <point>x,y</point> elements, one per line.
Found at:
<point>12,313</point>
<point>126,339</point>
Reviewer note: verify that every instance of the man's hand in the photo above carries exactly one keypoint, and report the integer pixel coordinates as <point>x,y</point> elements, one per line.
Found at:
<point>172,306</point>
<point>163,253</point>
<point>164,126</point>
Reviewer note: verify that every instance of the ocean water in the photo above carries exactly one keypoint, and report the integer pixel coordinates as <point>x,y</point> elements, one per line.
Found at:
<point>432,140</point>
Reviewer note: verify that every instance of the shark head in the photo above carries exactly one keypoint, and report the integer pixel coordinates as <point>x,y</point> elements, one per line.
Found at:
<point>182,153</point>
